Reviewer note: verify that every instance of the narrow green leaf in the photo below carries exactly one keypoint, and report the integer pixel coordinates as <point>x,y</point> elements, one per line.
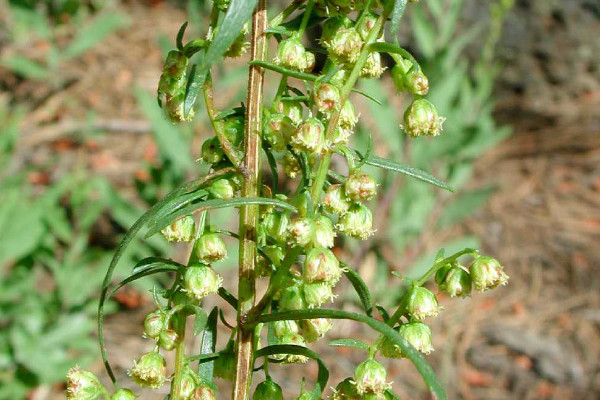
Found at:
<point>208,345</point>
<point>411,353</point>
<point>180,34</point>
<point>193,87</point>
<point>323,372</point>
<point>361,288</point>
<point>368,96</point>
<point>153,262</point>
<point>211,205</point>
<point>228,297</point>
<point>356,344</point>
<point>200,320</point>
<point>384,314</point>
<point>143,272</point>
<point>397,13</point>
<point>404,169</point>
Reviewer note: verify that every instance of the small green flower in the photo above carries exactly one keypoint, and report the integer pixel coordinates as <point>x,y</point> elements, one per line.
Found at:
<point>348,117</point>
<point>335,200</point>
<point>168,339</point>
<point>189,381</point>
<point>292,54</point>
<point>222,188</point>
<point>291,166</point>
<point>295,339</point>
<point>357,222</point>
<point>457,282</point>
<point>268,390</point>
<point>212,152</point>
<point>277,131</point>
<point>422,303</point>
<point>324,233</point>
<point>321,265</point>
<point>370,377</point>
<point>180,230</point>
<point>154,323</point>
<point>200,280</point>
<point>345,390</point>
<point>123,394</point>
<point>417,334</point>
<point>149,370</point>
<point>291,109</point>
<point>275,255</point>
<point>285,327</point>
<point>366,25</point>
<point>487,273</point>
<point>421,119</point>
<point>315,329</point>
<point>318,293</point>
<point>326,98</point>
<point>345,45</point>
<point>203,392</point>
<point>373,67</point>
<point>210,248</point>
<point>301,231</point>
<point>276,225</point>
<point>360,186</point>
<point>83,385</point>
<point>292,298</point>
<point>309,136</point>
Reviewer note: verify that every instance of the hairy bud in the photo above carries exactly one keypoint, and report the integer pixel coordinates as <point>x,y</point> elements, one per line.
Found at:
<point>309,136</point>
<point>335,200</point>
<point>357,222</point>
<point>83,385</point>
<point>417,334</point>
<point>422,303</point>
<point>154,323</point>
<point>321,265</point>
<point>292,298</point>
<point>200,280</point>
<point>345,390</point>
<point>203,392</point>
<point>212,152</point>
<point>285,327</point>
<point>210,248</point>
<point>149,370</point>
<point>373,67</point>
<point>345,45</point>
<point>487,273</point>
<point>315,329</point>
<point>223,188</point>
<point>360,186</point>
<point>318,293</point>
<point>301,231</point>
<point>276,226</point>
<point>291,109</point>
<point>326,98</point>
<point>291,54</point>
<point>291,166</point>
<point>297,340</point>
<point>123,394</point>
<point>457,282</point>
<point>324,233</point>
<point>421,119</point>
<point>180,230</point>
<point>277,131</point>
<point>348,117</point>
<point>188,384</point>
<point>168,339</point>
<point>369,377</point>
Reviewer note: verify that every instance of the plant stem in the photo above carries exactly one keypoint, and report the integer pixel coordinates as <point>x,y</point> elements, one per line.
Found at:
<point>180,359</point>
<point>249,213</point>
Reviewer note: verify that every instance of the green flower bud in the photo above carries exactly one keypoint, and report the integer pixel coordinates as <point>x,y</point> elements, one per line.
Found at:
<point>309,136</point>
<point>200,280</point>
<point>318,293</point>
<point>360,186</point>
<point>417,334</point>
<point>321,265</point>
<point>331,26</point>
<point>180,230</point>
<point>212,152</point>
<point>487,273</point>
<point>268,390</point>
<point>441,273</point>
<point>295,339</point>
<point>301,231</point>
<point>233,127</point>
<point>341,76</point>
<point>366,25</point>
<point>123,394</point>
<point>373,67</point>
<point>310,61</point>
<point>457,282</point>
<point>422,303</point>
<point>189,381</point>
<point>324,233</point>
<point>357,222</point>
<point>398,73</point>
<point>203,392</point>
<point>292,298</point>
<point>285,327</point>
<point>83,385</point>
<point>172,85</point>
<point>345,45</point>
<point>335,200</point>
<point>239,47</point>
<point>210,248</point>
<point>291,109</point>
<point>348,118</point>
<point>277,131</point>
<point>224,366</point>
<point>315,329</point>
<point>275,255</point>
<point>168,339</point>
<point>223,188</point>
<point>345,390</point>
<point>291,54</point>
<point>339,136</point>
<point>276,225</point>
<point>149,370</point>
<point>369,377</point>
<point>291,166</point>
<point>421,119</point>
<point>326,98</point>
<point>154,323</point>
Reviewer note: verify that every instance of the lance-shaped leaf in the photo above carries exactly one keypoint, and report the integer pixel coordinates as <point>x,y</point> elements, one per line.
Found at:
<point>411,353</point>
<point>361,288</point>
<point>396,16</point>
<point>148,266</point>
<point>208,345</point>
<point>355,344</point>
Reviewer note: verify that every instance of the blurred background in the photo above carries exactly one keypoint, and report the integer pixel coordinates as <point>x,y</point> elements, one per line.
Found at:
<point>84,150</point>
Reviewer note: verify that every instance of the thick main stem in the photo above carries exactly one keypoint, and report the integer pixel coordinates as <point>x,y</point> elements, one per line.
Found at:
<point>249,213</point>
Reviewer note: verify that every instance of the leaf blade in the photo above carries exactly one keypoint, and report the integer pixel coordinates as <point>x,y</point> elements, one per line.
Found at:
<point>360,287</point>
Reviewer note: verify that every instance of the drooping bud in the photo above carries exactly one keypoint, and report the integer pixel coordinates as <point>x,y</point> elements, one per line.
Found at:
<point>285,327</point>
<point>335,200</point>
<point>275,255</point>
<point>345,390</point>
<point>348,118</point>
<point>203,392</point>
<point>295,339</point>
<point>339,136</point>
<point>321,265</point>
<point>292,298</point>
<point>291,54</point>
<point>318,293</point>
<point>149,370</point>
<point>172,85</point>
<point>180,230</point>
<point>357,222</point>
<point>223,188</point>
<point>487,273</point>
<point>277,131</point>
<point>360,186</point>
<point>331,26</point>
<point>326,98</point>
<point>309,136</point>
<point>408,78</point>
<point>276,225</point>
<point>168,339</point>
<point>212,152</point>
<point>422,303</point>
<point>291,109</point>
<point>421,119</point>
<point>291,166</point>
<point>417,334</point>
<point>324,233</point>
<point>441,273</point>
<point>268,390</point>
<point>154,323</point>
<point>366,24</point>
<point>373,67</point>
<point>189,381</point>
<point>345,45</point>
<point>369,377</point>
<point>200,280</point>
<point>315,329</point>
<point>123,394</point>
<point>301,231</point>
<point>457,282</point>
<point>83,385</point>
<point>210,248</point>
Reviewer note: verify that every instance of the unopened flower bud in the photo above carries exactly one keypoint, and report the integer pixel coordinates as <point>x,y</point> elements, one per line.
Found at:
<point>457,282</point>
<point>172,85</point>
<point>318,293</point>
<point>180,230</point>
<point>154,323</point>
<point>421,119</point>
<point>292,298</point>
<point>123,394</point>
<point>324,233</point>
<point>348,118</point>
<point>341,76</point>
<point>301,231</point>
<point>277,131</point>
<point>345,45</point>
<point>335,200</point>
<point>203,392</point>
<point>422,303</point>
<point>149,370</point>
<point>210,248</point>
<point>310,61</point>
<point>441,273</point>
<point>212,152</point>
<point>233,127</point>
<point>291,166</point>
<point>345,390</point>
<point>373,67</point>
<point>168,339</point>
<point>487,273</point>
<point>321,265</point>
<point>332,25</point>
<point>285,327</point>
<point>357,222</point>
<point>366,24</point>
<point>297,340</point>
<point>223,188</point>
<point>189,381</point>
<point>200,280</point>
<point>268,390</point>
<point>276,225</point>
<point>326,98</point>
<point>369,377</point>
<point>291,54</point>
<point>82,385</point>
<point>417,334</point>
<point>360,186</point>
<point>315,329</point>
<point>407,78</point>
<point>291,109</point>
<point>339,136</point>
<point>309,136</point>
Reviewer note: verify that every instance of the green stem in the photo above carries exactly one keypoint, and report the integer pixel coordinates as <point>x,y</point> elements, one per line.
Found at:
<point>180,359</point>
<point>440,263</point>
<point>282,16</point>
<point>305,18</point>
